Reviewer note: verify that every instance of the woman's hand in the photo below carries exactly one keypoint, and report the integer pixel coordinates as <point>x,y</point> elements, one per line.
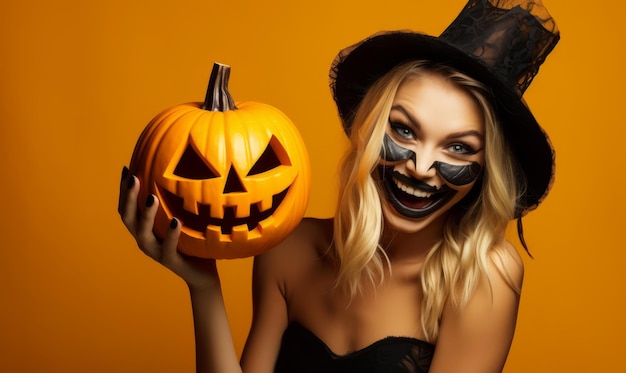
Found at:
<point>198,273</point>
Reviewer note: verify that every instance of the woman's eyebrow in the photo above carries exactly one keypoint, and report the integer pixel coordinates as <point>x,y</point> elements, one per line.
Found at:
<point>456,135</point>
<point>412,119</point>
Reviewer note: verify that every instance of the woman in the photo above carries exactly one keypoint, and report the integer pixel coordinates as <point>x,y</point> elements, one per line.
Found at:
<point>413,274</point>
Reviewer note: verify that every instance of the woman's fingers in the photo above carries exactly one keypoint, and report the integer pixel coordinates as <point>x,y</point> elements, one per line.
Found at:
<point>146,240</point>
<point>122,193</point>
<point>139,223</point>
<point>140,219</point>
<point>128,203</point>
<point>169,252</point>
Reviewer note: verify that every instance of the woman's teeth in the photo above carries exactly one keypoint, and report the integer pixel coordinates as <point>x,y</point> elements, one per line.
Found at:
<point>410,190</point>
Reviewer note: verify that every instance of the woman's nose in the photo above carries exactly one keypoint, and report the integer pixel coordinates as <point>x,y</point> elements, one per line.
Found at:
<point>423,163</point>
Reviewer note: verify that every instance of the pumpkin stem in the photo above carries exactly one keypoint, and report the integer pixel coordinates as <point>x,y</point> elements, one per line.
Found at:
<point>217,96</point>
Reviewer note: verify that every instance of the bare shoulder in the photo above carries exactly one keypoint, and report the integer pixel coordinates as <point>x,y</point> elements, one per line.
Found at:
<point>476,337</point>
<point>506,264</point>
<point>307,239</point>
<point>305,246</point>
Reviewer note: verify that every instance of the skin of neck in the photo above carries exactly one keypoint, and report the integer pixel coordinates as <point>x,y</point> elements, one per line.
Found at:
<point>411,247</point>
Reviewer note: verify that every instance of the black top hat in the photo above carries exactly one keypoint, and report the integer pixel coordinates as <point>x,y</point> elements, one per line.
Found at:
<point>500,43</point>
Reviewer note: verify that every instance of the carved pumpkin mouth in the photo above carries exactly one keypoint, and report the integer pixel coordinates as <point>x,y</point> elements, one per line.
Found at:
<point>199,222</point>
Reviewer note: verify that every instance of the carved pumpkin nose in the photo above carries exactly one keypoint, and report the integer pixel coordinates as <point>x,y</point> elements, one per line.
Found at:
<point>233,182</point>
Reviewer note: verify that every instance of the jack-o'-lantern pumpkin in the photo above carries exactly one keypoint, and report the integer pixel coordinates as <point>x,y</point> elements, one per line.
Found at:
<point>236,175</point>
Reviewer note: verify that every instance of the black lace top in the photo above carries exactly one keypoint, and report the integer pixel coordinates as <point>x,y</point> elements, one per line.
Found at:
<point>302,351</point>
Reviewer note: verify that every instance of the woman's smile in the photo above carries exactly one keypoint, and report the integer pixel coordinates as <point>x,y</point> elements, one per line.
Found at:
<point>411,197</point>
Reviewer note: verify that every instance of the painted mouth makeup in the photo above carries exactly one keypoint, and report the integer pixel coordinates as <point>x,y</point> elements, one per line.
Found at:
<point>413,198</point>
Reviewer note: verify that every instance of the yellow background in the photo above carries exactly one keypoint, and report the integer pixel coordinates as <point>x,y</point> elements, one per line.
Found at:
<point>80,79</point>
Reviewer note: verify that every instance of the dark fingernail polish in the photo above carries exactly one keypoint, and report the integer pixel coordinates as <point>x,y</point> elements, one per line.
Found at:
<point>150,200</point>
<point>124,172</point>
<point>173,223</point>
<point>131,181</point>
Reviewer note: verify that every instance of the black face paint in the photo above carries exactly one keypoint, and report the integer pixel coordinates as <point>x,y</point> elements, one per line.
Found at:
<point>455,175</point>
<point>408,203</point>
<point>392,152</point>
<point>458,175</point>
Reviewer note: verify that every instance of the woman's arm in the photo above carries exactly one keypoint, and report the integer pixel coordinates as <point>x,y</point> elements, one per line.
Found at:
<point>215,350</point>
<point>213,341</point>
<point>476,338</point>
<point>214,346</point>
<point>269,317</point>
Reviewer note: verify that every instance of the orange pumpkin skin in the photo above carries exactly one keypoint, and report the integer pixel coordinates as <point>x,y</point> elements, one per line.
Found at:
<point>238,180</point>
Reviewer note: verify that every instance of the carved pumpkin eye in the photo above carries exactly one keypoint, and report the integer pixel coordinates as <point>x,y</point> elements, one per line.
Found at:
<point>271,158</point>
<point>192,166</point>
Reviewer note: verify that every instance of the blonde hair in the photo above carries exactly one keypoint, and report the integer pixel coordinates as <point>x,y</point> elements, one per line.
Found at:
<point>455,264</point>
